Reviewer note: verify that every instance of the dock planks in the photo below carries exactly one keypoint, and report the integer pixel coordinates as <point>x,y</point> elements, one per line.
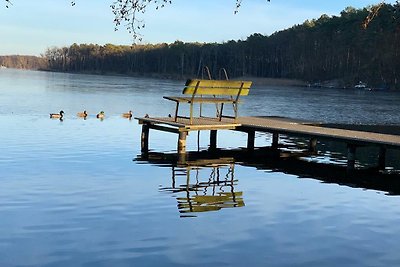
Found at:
<point>183,124</point>
<point>285,126</point>
<point>274,125</point>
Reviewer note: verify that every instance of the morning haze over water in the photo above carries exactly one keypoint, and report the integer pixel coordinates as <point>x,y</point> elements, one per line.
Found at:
<point>78,193</point>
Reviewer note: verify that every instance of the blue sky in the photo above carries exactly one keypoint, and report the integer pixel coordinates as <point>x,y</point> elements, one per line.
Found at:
<point>30,27</point>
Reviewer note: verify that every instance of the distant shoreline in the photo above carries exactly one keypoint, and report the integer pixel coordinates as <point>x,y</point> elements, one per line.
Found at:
<point>273,81</point>
<point>255,80</point>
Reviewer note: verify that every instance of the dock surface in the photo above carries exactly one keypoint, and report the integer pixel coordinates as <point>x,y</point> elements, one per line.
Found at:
<point>274,125</point>
<point>183,124</point>
<point>307,129</point>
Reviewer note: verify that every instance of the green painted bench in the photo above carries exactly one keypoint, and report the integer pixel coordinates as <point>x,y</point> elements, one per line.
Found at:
<point>218,92</point>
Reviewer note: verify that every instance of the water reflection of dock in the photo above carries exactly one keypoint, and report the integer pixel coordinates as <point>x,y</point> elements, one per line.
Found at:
<point>294,163</point>
<point>200,184</point>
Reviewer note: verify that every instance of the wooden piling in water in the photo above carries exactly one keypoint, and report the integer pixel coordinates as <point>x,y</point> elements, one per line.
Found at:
<point>312,147</point>
<point>275,140</point>
<point>144,140</point>
<point>251,136</point>
<point>182,142</point>
<point>351,157</point>
<point>213,139</point>
<point>382,158</point>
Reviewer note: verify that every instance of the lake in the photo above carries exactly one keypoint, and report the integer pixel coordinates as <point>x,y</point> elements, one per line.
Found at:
<point>77,192</point>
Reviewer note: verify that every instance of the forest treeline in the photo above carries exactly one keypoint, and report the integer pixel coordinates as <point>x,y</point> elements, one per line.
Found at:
<point>24,62</point>
<point>334,49</point>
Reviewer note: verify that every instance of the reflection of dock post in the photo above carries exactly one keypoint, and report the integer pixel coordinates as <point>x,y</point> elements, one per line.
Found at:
<point>312,147</point>
<point>382,158</point>
<point>213,140</point>
<point>145,138</point>
<point>275,140</point>
<point>251,135</point>
<point>351,157</point>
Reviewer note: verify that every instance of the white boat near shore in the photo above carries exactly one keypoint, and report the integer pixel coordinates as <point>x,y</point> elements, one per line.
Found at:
<point>360,85</point>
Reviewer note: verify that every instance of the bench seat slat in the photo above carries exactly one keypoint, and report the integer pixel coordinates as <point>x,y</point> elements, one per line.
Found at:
<point>201,90</point>
<point>200,99</point>
<point>217,87</point>
<point>218,83</point>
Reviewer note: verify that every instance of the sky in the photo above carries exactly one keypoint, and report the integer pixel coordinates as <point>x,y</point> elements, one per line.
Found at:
<point>30,27</point>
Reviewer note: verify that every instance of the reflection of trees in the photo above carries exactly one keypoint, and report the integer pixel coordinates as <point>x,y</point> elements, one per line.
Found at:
<point>205,193</point>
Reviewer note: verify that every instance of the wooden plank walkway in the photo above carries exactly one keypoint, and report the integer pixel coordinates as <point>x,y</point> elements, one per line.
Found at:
<point>265,124</point>
<point>274,125</point>
<point>183,124</point>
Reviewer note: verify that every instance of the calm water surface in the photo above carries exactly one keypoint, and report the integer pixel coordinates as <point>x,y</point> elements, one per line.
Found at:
<point>72,193</point>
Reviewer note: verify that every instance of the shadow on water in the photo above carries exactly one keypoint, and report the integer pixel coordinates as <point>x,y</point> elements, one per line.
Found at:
<point>198,192</point>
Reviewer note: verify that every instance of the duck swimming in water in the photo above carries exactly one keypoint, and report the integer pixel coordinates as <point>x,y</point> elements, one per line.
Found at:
<point>100,115</point>
<point>82,114</point>
<point>127,115</point>
<point>57,115</point>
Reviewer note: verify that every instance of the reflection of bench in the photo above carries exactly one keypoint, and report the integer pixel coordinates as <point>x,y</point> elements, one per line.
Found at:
<point>216,92</point>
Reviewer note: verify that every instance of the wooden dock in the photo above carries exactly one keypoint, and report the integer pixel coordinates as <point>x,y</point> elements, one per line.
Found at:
<point>273,125</point>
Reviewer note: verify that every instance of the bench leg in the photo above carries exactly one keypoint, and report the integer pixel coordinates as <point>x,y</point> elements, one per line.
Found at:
<point>220,114</point>
<point>235,109</point>
<point>176,111</point>
<point>191,113</point>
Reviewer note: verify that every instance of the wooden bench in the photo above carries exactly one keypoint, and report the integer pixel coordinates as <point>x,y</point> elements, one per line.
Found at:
<point>216,92</point>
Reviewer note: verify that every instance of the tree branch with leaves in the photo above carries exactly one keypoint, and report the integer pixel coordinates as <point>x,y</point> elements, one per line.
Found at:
<point>127,13</point>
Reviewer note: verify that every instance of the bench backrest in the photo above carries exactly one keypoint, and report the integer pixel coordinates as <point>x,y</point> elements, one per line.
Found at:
<point>216,87</point>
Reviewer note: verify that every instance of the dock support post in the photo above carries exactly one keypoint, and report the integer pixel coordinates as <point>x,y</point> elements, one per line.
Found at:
<point>251,136</point>
<point>382,158</point>
<point>351,157</point>
<point>312,147</point>
<point>275,140</point>
<point>182,147</point>
<point>182,142</point>
<point>213,140</point>
<point>145,138</point>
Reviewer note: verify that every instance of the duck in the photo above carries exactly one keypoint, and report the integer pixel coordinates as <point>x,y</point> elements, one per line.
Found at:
<point>82,114</point>
<point>57,115</point>
<point>100,115</point>
<point>127,115</point>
